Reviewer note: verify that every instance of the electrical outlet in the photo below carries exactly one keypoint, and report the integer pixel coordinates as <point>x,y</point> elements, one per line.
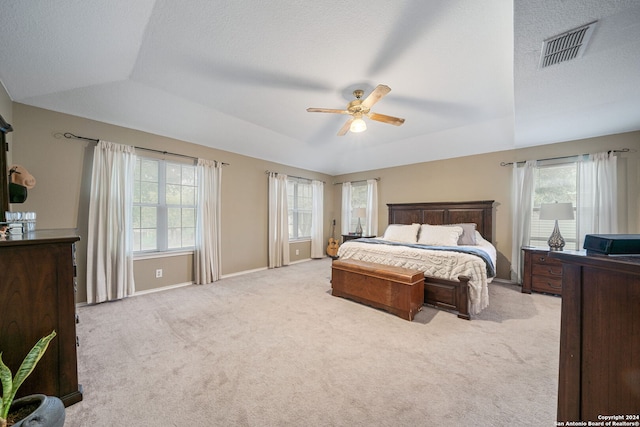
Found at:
<point>158,273</point>
<point>297,251</point>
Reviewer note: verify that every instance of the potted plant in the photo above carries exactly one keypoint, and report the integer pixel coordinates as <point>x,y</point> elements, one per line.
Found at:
<point>47,410</point>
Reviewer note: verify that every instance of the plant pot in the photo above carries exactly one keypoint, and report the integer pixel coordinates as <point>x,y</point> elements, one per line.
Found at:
<point>48,413</point>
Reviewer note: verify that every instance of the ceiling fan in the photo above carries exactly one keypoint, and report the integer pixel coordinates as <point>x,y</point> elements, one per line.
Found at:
<point>359,107</point>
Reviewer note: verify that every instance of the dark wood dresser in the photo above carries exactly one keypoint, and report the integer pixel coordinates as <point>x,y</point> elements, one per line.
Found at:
<point>599,337</point>
<point>541,273</point>
<point>37,295</point>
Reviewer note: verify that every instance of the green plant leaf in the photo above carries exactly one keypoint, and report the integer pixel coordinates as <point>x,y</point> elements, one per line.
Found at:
<point>27,366</point>
<point>7,386</point>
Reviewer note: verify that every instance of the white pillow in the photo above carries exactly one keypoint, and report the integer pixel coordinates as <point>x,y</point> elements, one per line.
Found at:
<point>439,235</point>
<point>402,233</point>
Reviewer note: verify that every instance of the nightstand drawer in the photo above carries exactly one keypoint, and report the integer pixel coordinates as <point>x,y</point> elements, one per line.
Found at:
<point>547,284</point>
<point>547,270</point>
<point>539,257</point>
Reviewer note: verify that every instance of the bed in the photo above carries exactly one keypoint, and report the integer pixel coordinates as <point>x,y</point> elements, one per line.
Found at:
<point>456,277</point>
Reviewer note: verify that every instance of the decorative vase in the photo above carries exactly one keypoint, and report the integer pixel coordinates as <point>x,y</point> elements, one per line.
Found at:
<point>49,412</point>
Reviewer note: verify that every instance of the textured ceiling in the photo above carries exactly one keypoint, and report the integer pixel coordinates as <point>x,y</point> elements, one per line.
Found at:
<point>239,75</point>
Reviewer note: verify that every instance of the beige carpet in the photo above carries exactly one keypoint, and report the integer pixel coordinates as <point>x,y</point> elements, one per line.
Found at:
<point>274,348</point>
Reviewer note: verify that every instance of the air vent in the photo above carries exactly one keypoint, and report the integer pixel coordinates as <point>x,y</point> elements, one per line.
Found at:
<point>566,46</point>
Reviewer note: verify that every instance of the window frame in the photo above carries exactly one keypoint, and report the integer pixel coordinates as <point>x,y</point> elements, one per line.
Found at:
<point>294,212</point>
<point>359,194</point>
<point>162,209</point>
<point>568,228</point>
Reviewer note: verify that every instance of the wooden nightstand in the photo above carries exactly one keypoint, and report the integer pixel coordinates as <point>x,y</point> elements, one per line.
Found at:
<point>347,237</point>
<point>541,273</point>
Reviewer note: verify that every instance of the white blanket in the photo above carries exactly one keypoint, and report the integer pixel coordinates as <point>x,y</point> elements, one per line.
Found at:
<point>434,263</point>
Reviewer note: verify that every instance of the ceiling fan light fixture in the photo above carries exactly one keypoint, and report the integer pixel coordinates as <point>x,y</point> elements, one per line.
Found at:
<point>358,108</point>
<point>358,125</point>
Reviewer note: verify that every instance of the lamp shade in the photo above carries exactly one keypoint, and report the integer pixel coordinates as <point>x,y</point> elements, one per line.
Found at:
<point>552,211</point>
<point>359,212</point>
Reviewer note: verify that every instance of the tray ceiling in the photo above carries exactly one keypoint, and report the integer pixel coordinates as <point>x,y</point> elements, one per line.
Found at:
<point>238,76</point>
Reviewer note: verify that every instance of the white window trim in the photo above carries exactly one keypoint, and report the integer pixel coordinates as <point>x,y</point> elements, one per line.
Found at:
<point>162,254</point>
<point>162,215</point>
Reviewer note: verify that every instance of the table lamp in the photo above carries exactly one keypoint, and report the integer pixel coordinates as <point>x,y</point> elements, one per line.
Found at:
<point>556,211</point>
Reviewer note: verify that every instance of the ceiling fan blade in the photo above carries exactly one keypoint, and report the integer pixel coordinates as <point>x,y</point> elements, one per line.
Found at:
<point>396,121</point>
<point>376,95</point>
<point>327,110</point>
<point>345,128</point>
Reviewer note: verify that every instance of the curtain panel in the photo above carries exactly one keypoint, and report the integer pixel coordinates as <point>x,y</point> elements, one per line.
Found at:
<point>207,256</point>
<point>597,195</point>
<point>345,217</point>
<point>372,208</point>
<point>317,220</point>
<point>110,233</point>
<point>521,209</point>
<point>278,221</point>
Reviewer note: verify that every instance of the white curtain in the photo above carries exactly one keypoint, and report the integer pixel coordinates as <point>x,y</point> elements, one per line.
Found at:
<point>597,196</point>
<point>278,221</point>
<point>207,256</point>
<point>345,217</point>
<point>317,231</point>
<point>372,208</point>
<point>521,208</point>
<point>110,234</point>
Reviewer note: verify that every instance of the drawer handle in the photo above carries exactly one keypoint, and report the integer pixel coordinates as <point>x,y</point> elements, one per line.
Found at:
<point>555,273</point>
<point>541,259</point>
<point>554,286</point>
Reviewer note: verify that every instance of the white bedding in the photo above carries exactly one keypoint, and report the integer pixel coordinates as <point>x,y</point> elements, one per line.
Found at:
<point>434,263</point>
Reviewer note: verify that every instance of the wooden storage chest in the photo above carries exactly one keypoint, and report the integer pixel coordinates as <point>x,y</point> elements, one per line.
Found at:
<point>397,290</point>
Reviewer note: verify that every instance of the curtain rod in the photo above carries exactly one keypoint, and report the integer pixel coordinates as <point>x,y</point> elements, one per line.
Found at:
<point>361,180</point>
<point>69,135</point>
<point>293,176</point>
<point>622,150</point>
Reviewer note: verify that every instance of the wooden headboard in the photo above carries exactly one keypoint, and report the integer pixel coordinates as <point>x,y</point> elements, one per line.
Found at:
<point>438,213</point>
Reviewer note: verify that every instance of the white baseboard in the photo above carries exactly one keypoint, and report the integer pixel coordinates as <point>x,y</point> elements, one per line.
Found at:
<point>181,285</point>
<point>299,261</point>
<point>163,288</point>
<point>505,281</point>
<point>241,273</point>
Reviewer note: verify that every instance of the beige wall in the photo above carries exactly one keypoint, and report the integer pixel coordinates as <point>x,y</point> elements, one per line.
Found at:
<point>480,177</point>
<point>62,168</point>
<point>6,111</point>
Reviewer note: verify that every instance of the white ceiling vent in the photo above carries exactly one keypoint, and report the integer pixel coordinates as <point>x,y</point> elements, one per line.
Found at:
<point>566,46</point>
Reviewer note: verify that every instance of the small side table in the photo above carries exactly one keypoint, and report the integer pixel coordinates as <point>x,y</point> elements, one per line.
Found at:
<point>541,273</point>
<point>347,237</point>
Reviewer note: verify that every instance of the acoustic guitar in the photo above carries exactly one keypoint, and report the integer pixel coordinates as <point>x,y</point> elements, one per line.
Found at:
<point>332,248</point>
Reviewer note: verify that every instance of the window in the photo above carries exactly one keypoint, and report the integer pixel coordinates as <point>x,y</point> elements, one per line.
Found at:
<point>358,200</point>
<point>300,205</point>
<point>164,205</point>
<point>554,183</point>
